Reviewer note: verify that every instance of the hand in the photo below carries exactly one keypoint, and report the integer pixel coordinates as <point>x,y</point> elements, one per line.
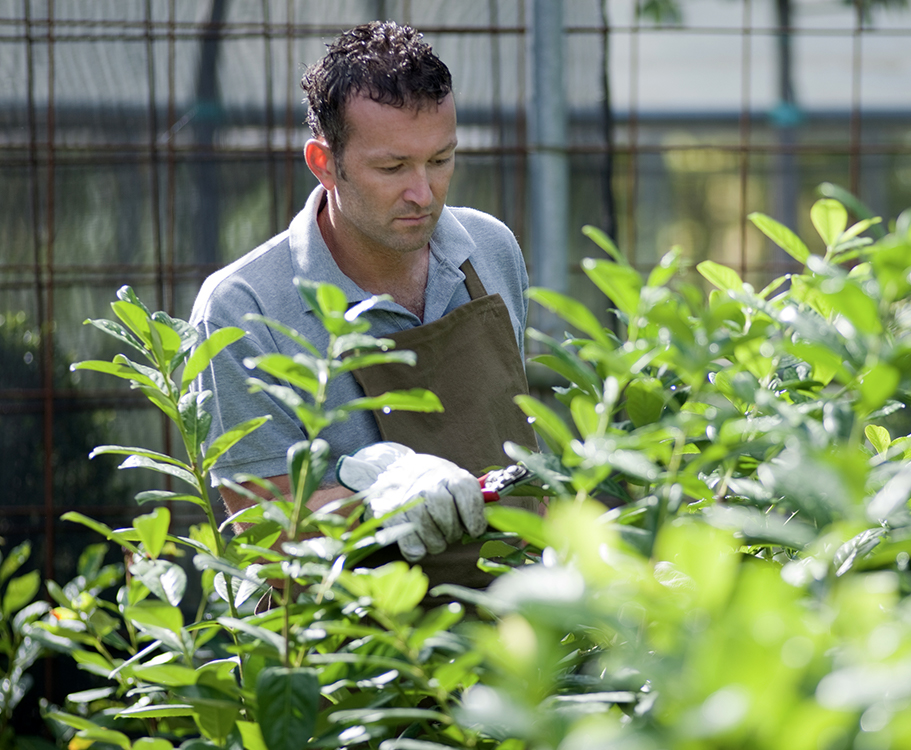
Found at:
<point>392,476</point>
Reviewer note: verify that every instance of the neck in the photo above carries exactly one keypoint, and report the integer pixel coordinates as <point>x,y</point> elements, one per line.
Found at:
<point>378,270</point>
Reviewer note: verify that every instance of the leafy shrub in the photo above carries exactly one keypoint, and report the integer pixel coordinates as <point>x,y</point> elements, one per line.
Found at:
<point>724,562</point>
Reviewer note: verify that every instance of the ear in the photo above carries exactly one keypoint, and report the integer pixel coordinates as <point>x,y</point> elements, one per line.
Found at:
<point>322,164</point>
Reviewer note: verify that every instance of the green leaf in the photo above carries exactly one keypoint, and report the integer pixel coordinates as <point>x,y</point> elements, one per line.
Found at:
<point>20,591</point>
<point>301,371</point>
<point>165,579</point>
<point>666,268</point>
<point>312,457</point>
<point>360,361</point>
<point>252,735</point>
<point>107,736</point>
<point>602,240</point>
<point>571,310</point>
<point>529,526</point>
<point>116,330</point>
<point>153,530</point>
<point>152,743</point>
<point>158,496</point>
<point>721,276</point>
<point>206,351</point>
<point>136,319</point>
<point>415,399</point>
<point>15,560</point>
<point>546,422</point>
<point>141,462</point>
<point>290,333</point>
<point>878,384</point>
<point>829,190</point>
<point>106,531</point>
<point>395,588</point>
<point>621,284</point>
<point>223,442</point>
<point>644,401</point>
<point>288,700</point>
<point>857,306</point>
<point>122,450</point>
<point>160,711</point>
<point>781,236</point>
<point>156,614</point>
<point>879,437</point>
<point>830,219</point>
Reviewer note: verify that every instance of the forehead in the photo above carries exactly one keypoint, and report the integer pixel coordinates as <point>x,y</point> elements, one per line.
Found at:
<point>382,128</point>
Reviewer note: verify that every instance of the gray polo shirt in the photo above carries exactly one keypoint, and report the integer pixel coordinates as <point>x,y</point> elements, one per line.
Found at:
<point>261,283</point>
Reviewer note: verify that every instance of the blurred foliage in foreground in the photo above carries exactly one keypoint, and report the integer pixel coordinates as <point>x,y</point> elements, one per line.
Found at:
<point>724,563</point>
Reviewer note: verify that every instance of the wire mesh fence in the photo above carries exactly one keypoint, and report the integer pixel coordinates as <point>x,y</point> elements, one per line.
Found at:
<point>149,142</point>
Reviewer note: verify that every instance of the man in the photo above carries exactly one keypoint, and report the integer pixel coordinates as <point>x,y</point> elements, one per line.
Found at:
<point>383,118</point>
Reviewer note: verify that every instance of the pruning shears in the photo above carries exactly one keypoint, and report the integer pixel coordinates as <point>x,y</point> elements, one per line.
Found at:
<point>501,482</point>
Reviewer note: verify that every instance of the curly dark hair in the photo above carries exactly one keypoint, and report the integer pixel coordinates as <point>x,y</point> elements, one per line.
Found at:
<point>381,60</point>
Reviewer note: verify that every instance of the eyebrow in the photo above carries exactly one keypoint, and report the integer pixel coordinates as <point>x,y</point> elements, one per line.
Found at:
<point>448,147</point>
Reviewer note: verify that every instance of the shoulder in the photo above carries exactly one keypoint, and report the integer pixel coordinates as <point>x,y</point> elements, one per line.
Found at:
<point>239,287</point>
<point>482,226</point>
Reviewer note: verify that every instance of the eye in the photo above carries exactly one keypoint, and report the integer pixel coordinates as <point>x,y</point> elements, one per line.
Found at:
<point>391,170</point>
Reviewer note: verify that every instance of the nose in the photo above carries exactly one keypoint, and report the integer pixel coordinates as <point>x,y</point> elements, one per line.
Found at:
<point>418,190</point>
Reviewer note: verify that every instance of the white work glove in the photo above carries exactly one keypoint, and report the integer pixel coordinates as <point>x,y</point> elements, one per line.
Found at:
<point>392,475</point>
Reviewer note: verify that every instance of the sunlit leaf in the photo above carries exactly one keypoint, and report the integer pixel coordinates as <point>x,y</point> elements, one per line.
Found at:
<point>621,284</point>
<point>204,353</point>
<point>721,276</point>
<point>415,399</point>
<point>830,219</point>
<point>571,310</point>
<point>781,236</point>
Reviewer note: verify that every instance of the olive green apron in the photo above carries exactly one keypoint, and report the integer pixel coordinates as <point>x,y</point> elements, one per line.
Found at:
<point>470,359</point>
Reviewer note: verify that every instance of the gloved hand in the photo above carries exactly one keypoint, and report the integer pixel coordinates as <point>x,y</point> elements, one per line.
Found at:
<point>392,475</point>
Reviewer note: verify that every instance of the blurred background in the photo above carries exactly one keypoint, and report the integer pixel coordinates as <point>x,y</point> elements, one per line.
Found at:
<point>149,142</point>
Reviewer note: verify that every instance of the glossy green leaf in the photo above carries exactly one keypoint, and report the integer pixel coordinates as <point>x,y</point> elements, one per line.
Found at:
<point>621,284</point>
<point>142,462</point>
<point>223,442</point>
<point>118,331</point>
<point>721,276</point>
<point>781,236</point>
<point>302,372</point>
<point>106,531</point>
<point>571,310</point>
<point>136,319</point>
<point>165,579</point>
<point>20,591</point>
<point>529,526</point>
<point>252,735</point>
<point>15,559</point>
<point>153,530</point>
<point>645,401</point>
<point>415,399</point>
<point>857,306</point>
<point>288,700</point>
<point>546,422</point>
<point>395,588</point>
<point>878,384</point>
<point>157,614</point>
<point>830,190</point>
<point>830,219</point>
<point>879,437</point>
<point>307,461</point>
<point>602,240</point>
<point>666,268</point>
<point>206,351</point>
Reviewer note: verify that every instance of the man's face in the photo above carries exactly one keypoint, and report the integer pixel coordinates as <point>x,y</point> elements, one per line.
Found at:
<point>394,174</point>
